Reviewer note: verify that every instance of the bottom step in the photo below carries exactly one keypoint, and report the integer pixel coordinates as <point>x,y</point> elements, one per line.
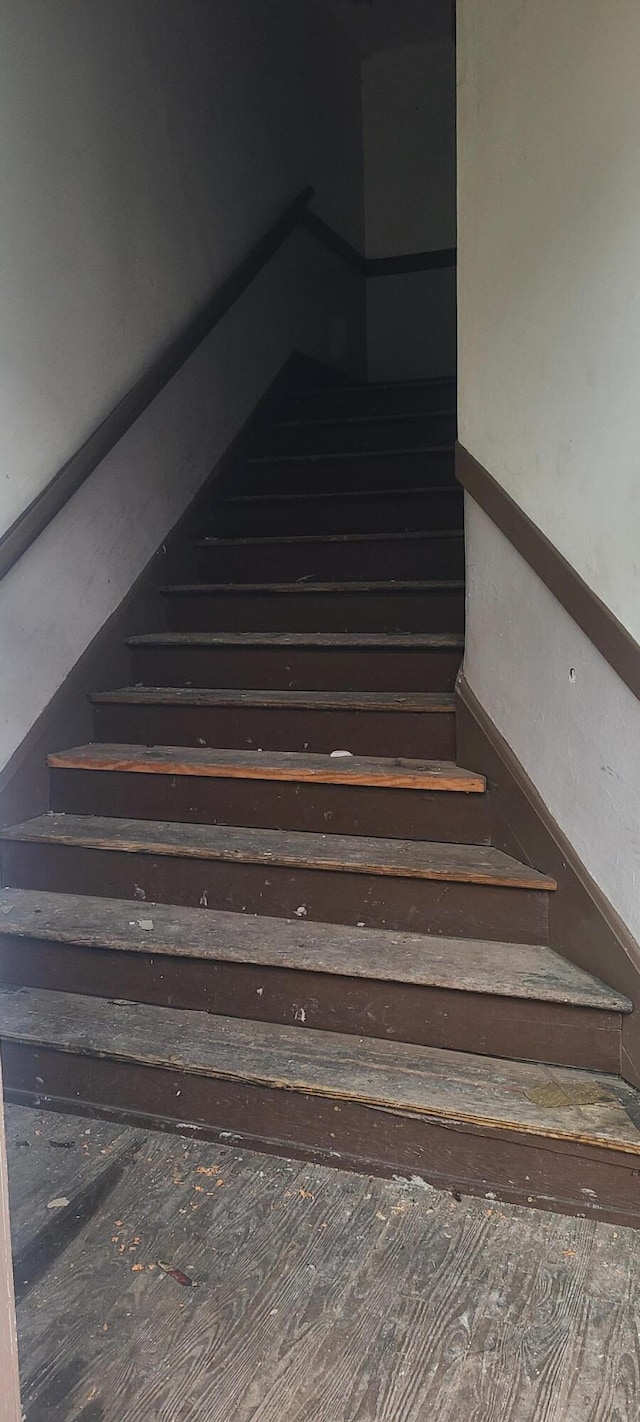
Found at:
<point>555,1137</point>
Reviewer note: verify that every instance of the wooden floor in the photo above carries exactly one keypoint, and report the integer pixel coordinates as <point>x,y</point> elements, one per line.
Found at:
<point>315,1296</point>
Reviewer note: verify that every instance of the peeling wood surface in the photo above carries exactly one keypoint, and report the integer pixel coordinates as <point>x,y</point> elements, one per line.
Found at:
<point>394,772</point>
<point>321,1296</point>
<point>465,964</point>
<point>395,1077</point>
<point>418,701</point>
<point>357,854</point>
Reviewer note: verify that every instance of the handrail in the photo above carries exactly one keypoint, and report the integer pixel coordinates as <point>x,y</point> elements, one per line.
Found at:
<point>49,502</point>
<point>35,518</point>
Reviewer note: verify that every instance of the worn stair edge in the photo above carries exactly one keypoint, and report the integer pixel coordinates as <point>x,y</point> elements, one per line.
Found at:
<point>513,970</point>
<point>328,456</point>
<point>423,1082</point>
<point>395,773</point>
<point>425,702</point>
<point>301,586</point>
<point>411,417</point>
<point>389,537</point>
<point>334,641</point>
<point>338,495</point>
<point>347,854</point>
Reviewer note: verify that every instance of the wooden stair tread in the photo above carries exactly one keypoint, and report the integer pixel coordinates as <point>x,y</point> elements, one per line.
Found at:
<point>393,773</point>
<point>512,970</point>
<point>412,859</point>
<point>411,417</point>
<point>392,701</point>
<point>336,495</point>
<point>424,1082</point>
<point>345,589</point>
<point>356,454</point>
<point>385,641</point>
<point>392,536</point>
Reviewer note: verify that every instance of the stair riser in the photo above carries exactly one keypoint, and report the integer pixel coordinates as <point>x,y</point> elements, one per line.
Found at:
<point>382,514</point>
<point>272,804</point>
<point>389,400</point>
<point>376,901</point>
<point>297,669</point>
<point>553,1175</point>
<point>334,562</point>
<point>343,438</point>
<point>424,736</point>
<point>325,475</point>
<point>306,612</point>
<point>433,1017</point>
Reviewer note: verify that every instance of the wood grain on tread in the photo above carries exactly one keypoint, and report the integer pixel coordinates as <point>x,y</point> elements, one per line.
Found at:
<point>336,641</point>
<point>462,964</point>
<point>409,859</point>
<point>335,495</point>
<point>354,589</point>
<point>425,701</point>
<point>304,538</point>
<point>360,454</point>
<point>392,701</point>
<point>396,1077</point>
<point>271,765</point>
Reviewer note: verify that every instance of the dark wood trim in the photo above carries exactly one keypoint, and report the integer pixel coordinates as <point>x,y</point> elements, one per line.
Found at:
<point>32,522</point>
<point>377,266</point>
<point>583,926</point>
<point>105,663</point>
<point>599,624</point>
<point>411,262</point>
<point>333,240</point>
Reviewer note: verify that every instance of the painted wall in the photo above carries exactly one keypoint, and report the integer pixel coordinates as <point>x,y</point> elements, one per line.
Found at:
<point>410,180</point>
<point>54,601</point>
<point>549,368</point>
<point>549,272</point>
<point>146,144</point>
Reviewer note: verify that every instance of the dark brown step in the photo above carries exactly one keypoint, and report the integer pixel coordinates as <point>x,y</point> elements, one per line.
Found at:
<point>404,799</point>
<point>323,661</point>
<point>478,1124</point>
<point>321,607</point>
<point>457,890</point>
<point>369,723</point>
<point>357,557</point>
<point>499,999</point>
<point>369,401</point>
<point>350,511</point>
<point>356,435</point>
<point>326,473</point>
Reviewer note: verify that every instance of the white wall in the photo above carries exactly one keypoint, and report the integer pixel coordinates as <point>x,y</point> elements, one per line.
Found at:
<point>549,272</point>
<point>572,723</point>
<point>549,372</point>
<point>410,180</point>
<point>408,98</point>
<point>146,144</point>
<point>54,601</point>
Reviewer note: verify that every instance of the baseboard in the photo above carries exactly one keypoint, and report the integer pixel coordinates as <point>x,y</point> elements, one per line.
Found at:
<point>66,720</point>
<point>583,925</point>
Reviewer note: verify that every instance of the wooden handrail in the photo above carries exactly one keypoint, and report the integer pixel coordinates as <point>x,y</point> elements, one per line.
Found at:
<point>32,522</point>
<point>34,519</point>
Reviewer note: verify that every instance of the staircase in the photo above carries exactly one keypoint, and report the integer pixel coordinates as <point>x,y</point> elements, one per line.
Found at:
<point>227,924</point>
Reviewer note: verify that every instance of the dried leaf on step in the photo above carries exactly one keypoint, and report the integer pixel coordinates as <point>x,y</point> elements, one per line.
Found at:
<point>552,1093</point>
<point>176,1274</point>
